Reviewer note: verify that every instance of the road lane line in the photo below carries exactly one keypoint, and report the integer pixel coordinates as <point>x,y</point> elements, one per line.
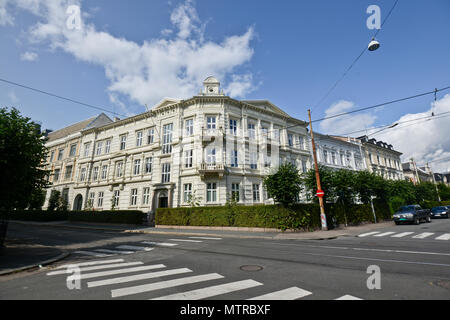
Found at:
<point>114,251</point>
<point>348,297</point>
<point>423,235</point>
<point>185,240</point>
<point>108,266</point>
<point>119,271</point>
<point>134,248</point>
<point>211,291</point>
<point>161,244</point>
<point>94,254</point>
<point>286,294</point>
<point>402,234</point>
<point>164,284</point>
<point>445,236</point>
<point>384,234</point>
<point>368,234</point>
<point>90,263</point>
<point>205,238</point>
<point>144,276</point>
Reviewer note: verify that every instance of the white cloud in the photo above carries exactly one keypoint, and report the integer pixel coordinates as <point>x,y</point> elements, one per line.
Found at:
<point>347,123</point>
<point>172,66</point>
<point>29,56</point>
<point>5,17</point>
<point>12,97</point>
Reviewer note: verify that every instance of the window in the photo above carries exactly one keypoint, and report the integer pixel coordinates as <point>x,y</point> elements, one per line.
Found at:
<point>235,192</point>
<point>134,196</point>
<point>188,158</point>
<point>60,154</point>
<point>95,174</point>
<point>370,158</point>
<point>290,140</point>
<point>233,127</point>
<point>187,192</point>
<point>146,196</point>
<point>255,189</point>
<point>150,135</point>
<point>116,198</point>
<point>73,150</point>
<point>333,157</point>
<point>189,124</point>
<point>119,167</point>
<point>100,199</point>
<point>87,147</point>
<point>165,173</point>
<point>91,199</point>
<point>68,172</point>
<point>52,155</point>
<point>251,130</point>
<point>137,167</point>
<point>99,148</point>
<point>304,167</point>
<point>211,123</point>
<point>234,158</point>
<point>56,175</point>
<point>104,171</point>
<point>138,138</point>
<point>211,156</point>
<point>268,156</point>
<point>300,142</point>
<point>108,146</point>
<point>253,160</point>
<point>343,159</point>
<point>211,192</point>
<point>83,174</point>
<point>167,138</point>
<point>123,142</point>
<point>264,132</point>
<point>325,156</point>
<point>148,164</point>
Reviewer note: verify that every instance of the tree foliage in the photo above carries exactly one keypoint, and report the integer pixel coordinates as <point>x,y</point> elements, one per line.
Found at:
<point>284,185</point>
<point>22,151</point>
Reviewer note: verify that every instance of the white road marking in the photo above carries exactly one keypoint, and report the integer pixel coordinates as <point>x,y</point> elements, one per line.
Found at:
<point>163,285</point>
<point>211,291</point>
<point>162,244</point>
<point>185,240</point>
<point>114,251</point>
<point>348,297</point>
<point>134,248</point>
<point>205,238</point>
<point>108,266</point>
<point>402,234</point>
<point>90,263</point>
<point>423,235</point>
<point>445,236</point>
<point>95,254</point>
<point>368,234</point>
<point>286,294</point>
<point>384,234</point>
<point>149,275</point>
<point>119,271</point>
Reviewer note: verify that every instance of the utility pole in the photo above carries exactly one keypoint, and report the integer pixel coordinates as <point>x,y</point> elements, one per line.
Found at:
<point>320,193</point>
<point>417,173</point>
<point>434,181</point>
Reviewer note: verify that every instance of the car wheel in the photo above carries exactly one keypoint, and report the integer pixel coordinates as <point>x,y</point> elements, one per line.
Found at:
<point>428,219</point>
<point>397,223</point>
<point>416,221</point>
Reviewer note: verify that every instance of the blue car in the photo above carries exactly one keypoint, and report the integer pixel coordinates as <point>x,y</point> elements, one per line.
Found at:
<point>440,212</point>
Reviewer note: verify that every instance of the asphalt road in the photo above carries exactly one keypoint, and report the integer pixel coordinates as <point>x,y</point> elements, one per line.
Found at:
<point>414,263</point>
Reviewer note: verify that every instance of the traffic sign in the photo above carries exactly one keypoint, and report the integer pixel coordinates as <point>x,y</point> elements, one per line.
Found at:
<point>320,193</point>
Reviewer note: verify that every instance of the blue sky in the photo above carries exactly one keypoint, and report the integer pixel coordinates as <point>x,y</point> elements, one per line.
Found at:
<point>289,52</point>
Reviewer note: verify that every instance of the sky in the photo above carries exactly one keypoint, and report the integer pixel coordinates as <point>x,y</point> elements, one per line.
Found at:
<point>125,55</point>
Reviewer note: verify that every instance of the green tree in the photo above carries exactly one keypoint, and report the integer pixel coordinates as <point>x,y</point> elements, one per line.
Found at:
<point>444,192</point>
<point>326,183</point>
<point>285,185</point>
<point>22,153</point>
<point>426,191</point>
<point>368,184</point>
<point>343,184</point>
<point>53,201</point>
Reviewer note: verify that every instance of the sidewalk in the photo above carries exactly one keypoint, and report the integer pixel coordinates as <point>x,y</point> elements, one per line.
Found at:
<point>217,231</point>
<point>19,256</point>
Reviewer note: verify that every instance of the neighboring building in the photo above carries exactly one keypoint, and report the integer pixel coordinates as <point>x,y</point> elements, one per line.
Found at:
<point>339,152</point>
<point>382,159</point>
<point>210,146</point>
<point>63,152</point>
<point>416,174</point>
<point>442,178</point>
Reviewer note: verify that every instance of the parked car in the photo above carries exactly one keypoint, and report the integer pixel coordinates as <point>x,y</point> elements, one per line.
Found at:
<point>440,212</point>
<point>412,214</point>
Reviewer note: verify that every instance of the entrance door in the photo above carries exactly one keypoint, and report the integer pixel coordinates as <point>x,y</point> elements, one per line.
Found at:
<point>163,202</point>
<point>78,203</point>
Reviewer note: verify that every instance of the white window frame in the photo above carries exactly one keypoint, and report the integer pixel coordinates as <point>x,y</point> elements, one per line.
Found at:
<point>146,196</point>
<point>167,138</point>
<point>256,192</point>
<point>139,137</point>
<point>134,197</point>
<point>107,146</point>
<point>187,191</point>
<point>211,192</point>
<point>123,142</point>
<point>165,172</point>
<point>151,136</point>
<point>148,164</point>
<point>189,125</point>
<point>188,158</point>
<point>104,172</point>
<point>137,167</point>
<point>100,199</point>
<point>87,147</point>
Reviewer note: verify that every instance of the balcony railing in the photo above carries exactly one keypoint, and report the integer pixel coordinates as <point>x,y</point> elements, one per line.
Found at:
<point>211,169</point>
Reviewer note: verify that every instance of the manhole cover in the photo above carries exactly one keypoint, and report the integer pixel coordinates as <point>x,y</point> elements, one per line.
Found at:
<point>251,268</point>
<point>444,284</point>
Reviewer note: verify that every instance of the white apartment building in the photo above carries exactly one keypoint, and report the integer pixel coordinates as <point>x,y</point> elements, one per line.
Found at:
<point>209,147</point>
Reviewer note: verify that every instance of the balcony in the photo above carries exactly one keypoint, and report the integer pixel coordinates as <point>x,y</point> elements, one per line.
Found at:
<point>211,170</point>
<point>209,135</point>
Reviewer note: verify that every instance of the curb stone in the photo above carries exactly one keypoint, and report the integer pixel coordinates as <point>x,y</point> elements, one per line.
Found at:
<point>62,256</point>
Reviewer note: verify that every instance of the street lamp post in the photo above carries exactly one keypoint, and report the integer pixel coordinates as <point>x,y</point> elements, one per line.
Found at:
<point>320,193</point>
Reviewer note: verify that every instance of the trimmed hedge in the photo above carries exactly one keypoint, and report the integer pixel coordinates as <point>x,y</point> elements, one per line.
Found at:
<point>116,216</point>
<point>299,216</point>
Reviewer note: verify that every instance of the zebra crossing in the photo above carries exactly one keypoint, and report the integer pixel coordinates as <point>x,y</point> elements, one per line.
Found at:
<point>411,235</point>
<point>150,280</point>
<point>144,246</point>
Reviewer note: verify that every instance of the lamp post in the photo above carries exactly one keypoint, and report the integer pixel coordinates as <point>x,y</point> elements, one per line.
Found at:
<point>320,193</point>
